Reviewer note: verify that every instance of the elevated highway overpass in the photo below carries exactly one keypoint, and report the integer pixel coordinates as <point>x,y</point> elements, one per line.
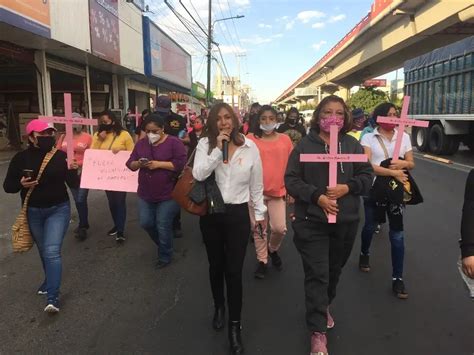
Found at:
<point>393,32</point>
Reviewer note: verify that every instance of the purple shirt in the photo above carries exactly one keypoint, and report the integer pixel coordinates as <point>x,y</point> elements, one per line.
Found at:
<point>157,185</point>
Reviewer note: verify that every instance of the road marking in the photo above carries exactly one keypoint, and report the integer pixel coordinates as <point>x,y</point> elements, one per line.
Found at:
<point>454,165</point>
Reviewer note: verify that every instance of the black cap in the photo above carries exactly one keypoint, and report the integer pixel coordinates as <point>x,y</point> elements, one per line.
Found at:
<point>163,104</point>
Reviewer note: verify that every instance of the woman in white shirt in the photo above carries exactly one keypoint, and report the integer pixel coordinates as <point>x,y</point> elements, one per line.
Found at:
<point>240,180</point>
<point>379,146</point>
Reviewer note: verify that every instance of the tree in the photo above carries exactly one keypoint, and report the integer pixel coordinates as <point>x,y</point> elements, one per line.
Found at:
<point>367,99</point>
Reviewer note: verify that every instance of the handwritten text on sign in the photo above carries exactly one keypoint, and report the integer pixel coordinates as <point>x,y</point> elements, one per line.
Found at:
<point>104,170</point>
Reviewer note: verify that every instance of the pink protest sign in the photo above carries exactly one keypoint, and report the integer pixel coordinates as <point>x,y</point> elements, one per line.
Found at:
<point>68,120</point>
<point>104,170</point>
<point>333,158</point>
<point>137,116</point>
<point>401,123</point>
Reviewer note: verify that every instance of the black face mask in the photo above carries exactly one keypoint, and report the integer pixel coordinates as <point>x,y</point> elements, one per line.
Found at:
<point>105,127</point>
<point>46,143</point>
<point>292,121</point>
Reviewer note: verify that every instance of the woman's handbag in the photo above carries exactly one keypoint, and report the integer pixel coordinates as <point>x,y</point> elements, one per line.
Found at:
<point>183,188</point>
<point>22,240</point>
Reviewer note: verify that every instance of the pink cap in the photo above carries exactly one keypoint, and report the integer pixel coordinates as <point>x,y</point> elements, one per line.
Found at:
<point>38,126</point>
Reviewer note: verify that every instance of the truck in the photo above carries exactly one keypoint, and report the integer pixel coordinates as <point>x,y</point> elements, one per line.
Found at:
<point>441,87</point>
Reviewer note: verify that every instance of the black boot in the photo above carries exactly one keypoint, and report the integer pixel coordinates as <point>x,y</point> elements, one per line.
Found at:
<point>219,318</point>
<point>236,347</point>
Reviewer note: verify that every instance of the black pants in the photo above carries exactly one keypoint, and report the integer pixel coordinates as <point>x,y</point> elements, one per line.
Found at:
<point>226,236</point>
<point>324,249</point>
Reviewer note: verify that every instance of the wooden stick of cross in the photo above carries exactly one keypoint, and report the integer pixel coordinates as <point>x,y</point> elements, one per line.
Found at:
<point>401,122</point>
<point>333,158</point>
<point>137,116</point>
<point>68,120</point>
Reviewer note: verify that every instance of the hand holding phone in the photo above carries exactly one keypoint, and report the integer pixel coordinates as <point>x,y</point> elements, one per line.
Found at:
<point>143,161</point>
<point>28,173</point>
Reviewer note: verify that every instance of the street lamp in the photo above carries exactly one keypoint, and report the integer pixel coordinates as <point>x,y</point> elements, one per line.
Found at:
<point>209,48</point>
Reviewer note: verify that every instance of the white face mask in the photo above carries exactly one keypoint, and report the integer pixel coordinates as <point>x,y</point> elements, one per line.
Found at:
<point>270,127</point>
<point>153,137</point>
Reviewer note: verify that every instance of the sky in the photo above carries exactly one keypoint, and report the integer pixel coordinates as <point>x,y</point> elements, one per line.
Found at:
<point>275,43</point>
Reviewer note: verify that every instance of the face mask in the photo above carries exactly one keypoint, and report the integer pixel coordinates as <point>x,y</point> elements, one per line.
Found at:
<point>198,126</point>
<point>292,121</point>
<point>387,126</point>
<point>326,123</point>
<point>153,137</point>
<point>268,128</point>
<point>46,143</point>
<point>105,127</point>
<point>359,124</point>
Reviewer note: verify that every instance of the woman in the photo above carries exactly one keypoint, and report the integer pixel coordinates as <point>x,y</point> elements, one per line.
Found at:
<point>82,141</point>
<point>226,234</point>
<point>48,210</point>
<point>139,131</point>
<point>195,134</point>
<point>274,149</point>
<point>324,247</point>
<point>292,127</point>
<point>159,158</point>
<point>358,123</point>
<point>379,146</point>
<point>112,136</point>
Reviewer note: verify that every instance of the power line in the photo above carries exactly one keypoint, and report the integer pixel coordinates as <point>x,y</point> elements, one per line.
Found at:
<point>197,13</point>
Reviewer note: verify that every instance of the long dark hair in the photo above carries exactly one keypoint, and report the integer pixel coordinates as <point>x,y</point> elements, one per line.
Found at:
<point>117,127</point>
<point>382,110</point>
<point>317,113</point>
<point>212,131</point>
<point>258,132</point>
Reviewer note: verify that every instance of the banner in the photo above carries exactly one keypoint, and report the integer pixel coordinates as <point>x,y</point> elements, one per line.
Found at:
<point>104,170</point>
<point>30,15</point>
<point>104,22</point>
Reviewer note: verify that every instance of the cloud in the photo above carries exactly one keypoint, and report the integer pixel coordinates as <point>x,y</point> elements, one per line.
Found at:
<point>317,46</point>
<point>318,25</point>
<point>283,18</point>
<point>256,39</point>
<point>337,18</point>
<point>278,35</point>
<point>243,3</point>
<point>290,25</point>
<point>306,16</point>
<point>262,25</point>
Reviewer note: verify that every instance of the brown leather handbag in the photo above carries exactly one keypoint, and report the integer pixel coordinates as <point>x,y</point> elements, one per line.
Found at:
<point>183,187</point>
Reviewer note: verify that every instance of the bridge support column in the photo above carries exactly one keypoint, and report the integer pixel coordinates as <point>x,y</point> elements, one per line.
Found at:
<point>344,93</point>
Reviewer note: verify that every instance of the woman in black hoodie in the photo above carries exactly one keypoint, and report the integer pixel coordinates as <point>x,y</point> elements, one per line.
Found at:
<point>324,247</point>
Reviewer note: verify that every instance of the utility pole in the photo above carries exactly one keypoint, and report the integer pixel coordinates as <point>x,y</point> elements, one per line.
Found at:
<point>238,56</point>
<point>209,55</point>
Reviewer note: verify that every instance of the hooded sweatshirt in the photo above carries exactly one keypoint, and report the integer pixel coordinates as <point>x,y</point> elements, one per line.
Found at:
<point>306,182</point>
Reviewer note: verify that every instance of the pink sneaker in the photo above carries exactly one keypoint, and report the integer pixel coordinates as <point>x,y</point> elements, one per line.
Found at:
<point>319,344</point>
<point>330,323</point>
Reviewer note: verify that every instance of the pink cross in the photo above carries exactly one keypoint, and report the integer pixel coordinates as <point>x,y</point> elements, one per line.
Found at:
<point>136,115</point>
<point>401,123</point>
<point>68,120</point>
<point>333,158</point>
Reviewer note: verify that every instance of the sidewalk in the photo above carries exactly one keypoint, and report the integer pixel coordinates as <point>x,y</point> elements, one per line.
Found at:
<point>6,156</point>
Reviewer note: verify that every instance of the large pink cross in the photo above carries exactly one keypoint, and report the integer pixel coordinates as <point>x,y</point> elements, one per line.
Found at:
<point>68,120</point>
<point>333,158</point>
<point>401,123</point>
<point>136,115</point>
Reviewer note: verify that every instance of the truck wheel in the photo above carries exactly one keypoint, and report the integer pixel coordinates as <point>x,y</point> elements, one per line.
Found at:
<point>419,138</point>
<point>453,146</point>
<point>439,142</point>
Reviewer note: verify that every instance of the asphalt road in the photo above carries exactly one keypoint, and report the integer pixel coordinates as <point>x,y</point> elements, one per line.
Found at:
<point>113,301</point>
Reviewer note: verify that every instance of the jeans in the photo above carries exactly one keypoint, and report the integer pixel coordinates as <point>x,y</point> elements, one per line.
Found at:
<point>396,237</point>
<point>80,198</point>
<point>48,227</point>
<point>156,218</point>
<point>324,249</point>
<point>226,236</point>
<point>118,208</point>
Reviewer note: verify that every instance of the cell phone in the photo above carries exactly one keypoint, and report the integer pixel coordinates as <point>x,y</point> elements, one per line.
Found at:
<point>28,173</point>
<point>143,160</point>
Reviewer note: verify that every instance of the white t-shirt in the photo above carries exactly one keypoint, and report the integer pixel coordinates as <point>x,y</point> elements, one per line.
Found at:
<point>370,140</point>
<point>240,181</point>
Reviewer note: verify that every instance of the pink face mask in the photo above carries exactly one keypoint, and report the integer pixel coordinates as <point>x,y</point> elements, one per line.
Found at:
<point>387,126</point>
<point>326,123</point>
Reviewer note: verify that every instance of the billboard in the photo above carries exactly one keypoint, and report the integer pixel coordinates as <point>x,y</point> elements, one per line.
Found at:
<point>164,58</point>
<point>30,15</point>
<point>104,22</point>
<point>375,83</point>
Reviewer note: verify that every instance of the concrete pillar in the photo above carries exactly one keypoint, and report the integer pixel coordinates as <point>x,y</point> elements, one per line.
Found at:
<point>115,92</point>
<point>344,93</point>
<point>44,85</point>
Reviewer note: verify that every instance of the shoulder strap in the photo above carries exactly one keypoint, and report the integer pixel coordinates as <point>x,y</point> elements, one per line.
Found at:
<point>45,162</point>
<point>190,161</point>
<point>113,140</point>
<point>382,144</point>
